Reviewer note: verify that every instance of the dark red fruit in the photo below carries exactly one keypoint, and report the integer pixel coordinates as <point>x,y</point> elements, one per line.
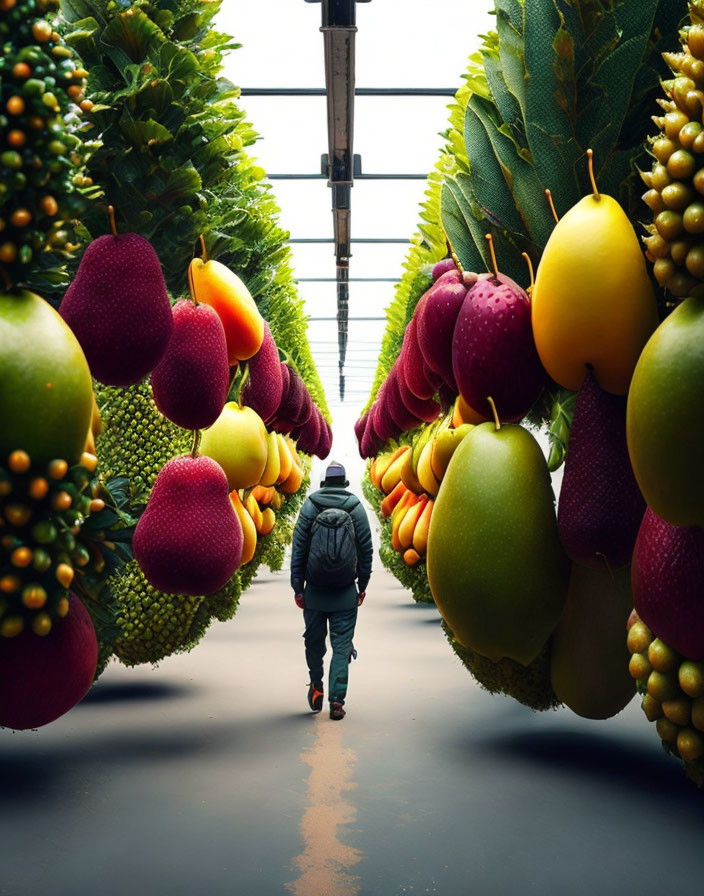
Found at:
<point>189,540</point>
<point>668,583</point>
<point>414,372</point>
<point>493,350</point>
<point>41,678</point>
<point>291,411</point>
<point>324,445</point>
<point>309,433</point>
<point>371,443</point>
<point>118,308</point>
<point>191,381</point>
<point>425,409</point>
<point>263,390</point>
<point>442,267</point>
<point>359,428</point>
<point>382,421</point>
<point>398,411</point>
<point>436,324</point>
<point>601,507</point>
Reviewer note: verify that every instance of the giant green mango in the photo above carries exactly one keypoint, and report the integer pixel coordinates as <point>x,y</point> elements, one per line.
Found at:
<point>46,390</point>
<point>589,659</point>
<point>665,417</point>
<point>495,565</point>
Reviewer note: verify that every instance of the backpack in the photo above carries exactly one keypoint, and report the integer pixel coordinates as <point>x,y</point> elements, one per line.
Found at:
<point>332,557</point>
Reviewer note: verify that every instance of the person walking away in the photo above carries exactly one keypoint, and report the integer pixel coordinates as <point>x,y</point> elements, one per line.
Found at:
<point>331,562</point>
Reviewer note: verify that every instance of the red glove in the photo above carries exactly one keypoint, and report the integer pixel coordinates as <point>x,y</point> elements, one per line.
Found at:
<point>360,598</point>
<point>299,601</point>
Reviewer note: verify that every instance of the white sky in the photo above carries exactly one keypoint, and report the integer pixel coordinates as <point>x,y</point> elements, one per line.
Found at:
<point>399,43</point>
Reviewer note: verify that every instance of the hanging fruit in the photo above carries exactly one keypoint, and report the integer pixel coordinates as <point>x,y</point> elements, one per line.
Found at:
<point>40,84</point>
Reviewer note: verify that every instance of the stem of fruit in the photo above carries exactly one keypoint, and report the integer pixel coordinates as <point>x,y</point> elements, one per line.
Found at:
<point>196,443</point>
<point>453,255</point>
<point>203,248</point>
<point>590,157</point>
<point>530,271</point>
<point>243,382</point>
<point>111,216</point>
<point>497,422</point>
<point>490,240</point>
<point>548,193</point>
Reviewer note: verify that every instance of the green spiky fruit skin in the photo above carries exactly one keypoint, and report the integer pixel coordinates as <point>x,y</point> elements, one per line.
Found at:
<point>529,685</point>
<point>659,676</point>
<point>136,440</point>
<point>52,536</point>
<point>38,151</point>
<point>676,182</point>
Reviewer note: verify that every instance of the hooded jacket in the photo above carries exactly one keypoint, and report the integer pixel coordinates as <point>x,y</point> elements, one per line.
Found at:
<point>326,598</point>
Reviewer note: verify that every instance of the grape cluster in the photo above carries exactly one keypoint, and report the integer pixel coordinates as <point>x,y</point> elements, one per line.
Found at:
<point>673,691</point>
<point>42,512</point>
<point>40,84</point>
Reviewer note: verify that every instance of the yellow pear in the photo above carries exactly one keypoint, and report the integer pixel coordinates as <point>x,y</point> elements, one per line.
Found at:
<point>238,442</point>
<point>593,304</point>
<point>273,461</point>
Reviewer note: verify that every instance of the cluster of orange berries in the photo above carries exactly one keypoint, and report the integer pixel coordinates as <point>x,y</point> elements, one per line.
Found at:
<point>42,90</point>
<point>42,512</point>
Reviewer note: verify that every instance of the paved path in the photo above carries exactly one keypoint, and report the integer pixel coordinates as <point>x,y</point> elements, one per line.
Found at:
<point>209,776</point>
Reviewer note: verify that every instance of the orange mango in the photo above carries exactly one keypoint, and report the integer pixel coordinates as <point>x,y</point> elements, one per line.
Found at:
<point>268,521</point>
<point>392,476</point>
<point>463,413</point>
<point>409,522</point>
<point>411,557</point>
<point>293,483</point>
<point>263,494</point>
<point>285,460</point>
<point>405,505</point>
<point>420,533</point>
<point>249,530</point>
<point>392,499</point>
<point>254,511</point>
<point>216,285</point>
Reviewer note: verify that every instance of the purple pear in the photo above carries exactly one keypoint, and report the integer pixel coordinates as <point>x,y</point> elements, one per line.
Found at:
<point>411,357</point>
<point>600,508</point>
<point>443,267</point>
<point>425,409</point>
<point>370,444</point>
<point>191,381</point>
<point>307,435</point>
<point>324,445</point>
<point>118,308</point>
<point>668,583</point>
<point>398,412</point>
<point>493,350</point>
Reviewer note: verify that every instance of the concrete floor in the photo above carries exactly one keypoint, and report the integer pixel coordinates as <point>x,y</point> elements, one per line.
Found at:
<point>208,775</point>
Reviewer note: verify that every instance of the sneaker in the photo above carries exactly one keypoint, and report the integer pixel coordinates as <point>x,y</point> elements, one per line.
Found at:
<point>315,696</point>
<point>336,711</point>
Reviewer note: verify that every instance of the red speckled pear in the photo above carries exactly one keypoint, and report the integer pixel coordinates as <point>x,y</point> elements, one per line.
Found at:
<point>601,507</point>
<point>118,308</point>
<point>189,540</point>
<point>263,390</point>
<point>436,323</point>
<point>191,381</point>
<point>668,583</point>
<point>493,350</point>
<point>41,678</point>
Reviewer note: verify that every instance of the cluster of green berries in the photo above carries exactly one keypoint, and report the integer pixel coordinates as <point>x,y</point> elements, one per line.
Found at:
<point>673,691</point>
<point>41,515</point>
<point>41,94</point>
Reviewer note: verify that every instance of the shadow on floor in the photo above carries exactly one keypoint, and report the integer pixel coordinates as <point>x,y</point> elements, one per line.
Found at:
<point>614,762</point>
<point>137,692</point>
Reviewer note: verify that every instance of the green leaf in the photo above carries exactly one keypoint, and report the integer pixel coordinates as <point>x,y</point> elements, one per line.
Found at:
<point>520,176</point>
<point>129,38</point>
<point>549,99</point>
<point>559,428</point>
<point>75,10</point>
<point>463,230</point>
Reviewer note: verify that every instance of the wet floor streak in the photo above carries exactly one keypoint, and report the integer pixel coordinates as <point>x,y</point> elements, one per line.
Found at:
<point>326,863</point>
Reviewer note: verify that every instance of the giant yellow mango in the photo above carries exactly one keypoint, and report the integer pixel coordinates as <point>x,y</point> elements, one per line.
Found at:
<point>593,304</point>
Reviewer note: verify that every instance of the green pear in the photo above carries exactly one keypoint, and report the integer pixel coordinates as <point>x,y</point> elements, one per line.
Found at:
<point>495,565</point>
<point>46,397</point>
<point>665,417</point>
<point>444,446</point>
<point>589,659</point>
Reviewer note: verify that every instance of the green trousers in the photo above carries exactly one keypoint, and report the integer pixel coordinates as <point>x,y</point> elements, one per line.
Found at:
<point>341,623</point>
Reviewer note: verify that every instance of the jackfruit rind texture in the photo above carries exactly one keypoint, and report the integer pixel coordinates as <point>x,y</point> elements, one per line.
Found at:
<point>530,685</point>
